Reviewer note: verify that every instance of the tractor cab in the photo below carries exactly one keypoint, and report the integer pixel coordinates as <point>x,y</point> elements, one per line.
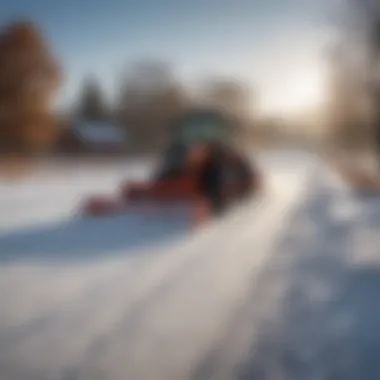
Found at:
<point>191,136</point>
<point>201,127</point>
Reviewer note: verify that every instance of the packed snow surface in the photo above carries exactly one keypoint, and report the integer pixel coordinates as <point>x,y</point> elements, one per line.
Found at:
<point>285,287</point>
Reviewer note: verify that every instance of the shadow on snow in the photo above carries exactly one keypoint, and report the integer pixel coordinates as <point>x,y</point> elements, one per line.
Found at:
<point>89,238</point>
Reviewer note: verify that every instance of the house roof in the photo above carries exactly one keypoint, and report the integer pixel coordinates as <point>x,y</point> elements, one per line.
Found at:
<point>99,133</point>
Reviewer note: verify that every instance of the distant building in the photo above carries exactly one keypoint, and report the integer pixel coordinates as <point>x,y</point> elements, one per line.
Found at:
<point>88,137</point>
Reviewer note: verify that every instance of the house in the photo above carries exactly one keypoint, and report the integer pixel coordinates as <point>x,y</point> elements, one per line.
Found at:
<point>89,137</point>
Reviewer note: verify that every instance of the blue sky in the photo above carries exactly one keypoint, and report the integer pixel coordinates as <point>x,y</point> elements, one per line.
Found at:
<point>259,41</point>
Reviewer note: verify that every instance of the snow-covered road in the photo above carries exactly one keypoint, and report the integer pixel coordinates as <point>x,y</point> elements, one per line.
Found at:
<point>285,288</point>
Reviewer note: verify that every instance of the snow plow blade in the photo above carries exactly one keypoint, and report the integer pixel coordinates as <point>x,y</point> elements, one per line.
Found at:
<point>197,212</point>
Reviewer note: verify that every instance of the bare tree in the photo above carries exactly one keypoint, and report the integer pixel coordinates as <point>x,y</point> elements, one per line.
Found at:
<point>234,99</point>
<point>348,107</point>
<point>228,95</point>
<point>353,89</point>
<point>361,39</point>
<point>150,96</point>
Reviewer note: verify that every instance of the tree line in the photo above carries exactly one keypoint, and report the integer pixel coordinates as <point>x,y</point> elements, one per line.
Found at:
<point>354,88</point>
<point>149,95</point>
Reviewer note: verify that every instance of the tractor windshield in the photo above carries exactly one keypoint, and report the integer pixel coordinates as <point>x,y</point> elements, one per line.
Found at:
<point>199,128</point>
<point>191,130</point>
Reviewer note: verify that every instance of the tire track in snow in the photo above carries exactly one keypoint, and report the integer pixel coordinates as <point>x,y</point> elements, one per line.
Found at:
<point>305,332</point>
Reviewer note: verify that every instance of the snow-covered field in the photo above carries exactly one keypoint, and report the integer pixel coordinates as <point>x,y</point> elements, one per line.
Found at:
<point>286,287</point>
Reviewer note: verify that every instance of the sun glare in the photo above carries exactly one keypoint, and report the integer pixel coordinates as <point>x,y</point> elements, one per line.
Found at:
<point>297,92</point>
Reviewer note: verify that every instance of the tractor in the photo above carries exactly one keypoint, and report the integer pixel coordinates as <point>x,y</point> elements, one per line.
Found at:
<point>201,169</point>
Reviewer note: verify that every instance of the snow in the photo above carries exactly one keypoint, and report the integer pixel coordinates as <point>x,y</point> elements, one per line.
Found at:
<point>285,287</point>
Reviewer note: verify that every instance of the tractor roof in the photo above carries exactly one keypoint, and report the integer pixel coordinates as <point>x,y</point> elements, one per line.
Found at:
<point>206,114</point>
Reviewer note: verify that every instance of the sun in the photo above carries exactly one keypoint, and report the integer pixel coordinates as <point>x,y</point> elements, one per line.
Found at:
<point>296,91</point>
